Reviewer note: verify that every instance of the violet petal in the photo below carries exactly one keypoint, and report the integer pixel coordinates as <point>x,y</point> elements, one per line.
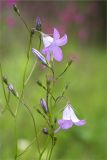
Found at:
<point>56,34</point>
<point>65,124</point>
<point>62,41</point>
<point>80,123</point>
<point>48,57</point>
<point>45,50</point>
<point>57,53</point>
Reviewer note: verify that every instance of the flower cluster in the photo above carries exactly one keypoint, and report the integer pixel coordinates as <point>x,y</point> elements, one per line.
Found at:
<point>52,51</point>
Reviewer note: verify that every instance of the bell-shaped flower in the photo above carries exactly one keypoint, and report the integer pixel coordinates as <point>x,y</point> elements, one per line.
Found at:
<point>52,45</point>
<point>39,56</point>
<point>69,118</point>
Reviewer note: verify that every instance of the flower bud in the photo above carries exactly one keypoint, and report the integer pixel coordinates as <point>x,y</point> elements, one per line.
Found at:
<point>44,105</point>
<point>38,111</point>
<point>69,62</point>
<point>45,130</point>
<point>39,83</point>
<point>38,24</point>
<point>16,9</point>
<point>5,80</point>
<point>39,56</point>
<point>11,89</point>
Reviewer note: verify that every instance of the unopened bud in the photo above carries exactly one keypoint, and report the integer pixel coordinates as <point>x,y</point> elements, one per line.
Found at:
<point>44,105</point>
<point>38,111</point>
<point>11,89</point>
<point>39,83</point>
<point>16,9</point>
<point>38,24</point>
<point>45,130</point>
<point>5,80</point>
<point>69,62</point>
<point>39,56</point>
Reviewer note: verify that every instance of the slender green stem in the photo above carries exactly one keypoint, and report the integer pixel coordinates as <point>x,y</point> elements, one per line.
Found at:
<point>22,87</point>
<point>7,102</point>
<point>22,19</point>
<point>24,75</point>
<point>25,70</point>
<point>19,15</point>
<point>47,153</point>
<point>46,90</point>
<point>52,72</point>
<point>8,98</point>
<point>30,112</point>
<point>28,55</point>
<point>30,73</point>
<point>25,83</point>
<point>53,144</point>
<point>47,102</point>
<point>44,149</point>
<point>44,116</point>
<point>15,140</point>
<point>68,65</point>
<point>63,92</point>
<point>47,95</point>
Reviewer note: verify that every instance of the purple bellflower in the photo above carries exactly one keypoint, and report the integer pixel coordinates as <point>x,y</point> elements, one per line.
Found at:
<point>52,45</point>
<point>69,118</point>
<point>39,56</point>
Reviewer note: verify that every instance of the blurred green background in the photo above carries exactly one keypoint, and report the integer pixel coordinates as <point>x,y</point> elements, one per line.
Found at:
<point>85,24</point>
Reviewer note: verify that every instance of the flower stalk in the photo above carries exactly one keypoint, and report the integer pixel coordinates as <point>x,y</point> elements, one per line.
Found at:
<point>51,51</point>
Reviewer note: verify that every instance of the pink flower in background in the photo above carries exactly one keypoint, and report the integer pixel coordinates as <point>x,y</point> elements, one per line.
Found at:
<point>47,26</point>
<point>79,18</point>
<point>74,58</point>
<point>52,45</point>
<point>10,21</point>
<point>92,9</point>
<point>67,15</point>
<point>83,35</point>
<point>11,2</point>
